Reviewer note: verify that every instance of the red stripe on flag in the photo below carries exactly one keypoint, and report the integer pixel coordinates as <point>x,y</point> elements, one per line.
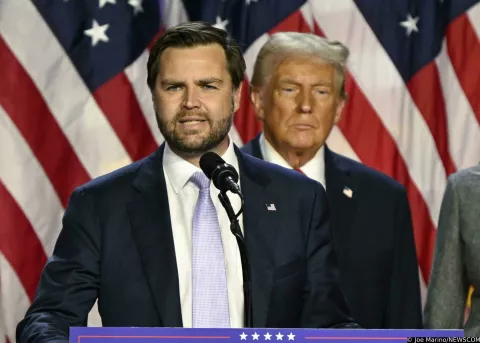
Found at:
<point>427,94</point>
<point>359,121</point>
<point>294,22</point>
<point>245,120</point>
<point>26,107</point>
<point>118,102</point>
<point>463,47</point>
<point>19,243</point>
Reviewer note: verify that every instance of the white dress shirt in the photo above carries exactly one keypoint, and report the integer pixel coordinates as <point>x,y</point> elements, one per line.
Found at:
<point>182,198</point>
<point>314,169</point>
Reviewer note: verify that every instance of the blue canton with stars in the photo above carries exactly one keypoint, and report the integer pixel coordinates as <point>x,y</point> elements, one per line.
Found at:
<point>247,19</point>
<point>428,19</point>
<point>411,31</point>
<point>102,37</point>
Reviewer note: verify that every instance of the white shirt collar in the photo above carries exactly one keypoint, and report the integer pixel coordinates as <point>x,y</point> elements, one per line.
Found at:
<point>179,171</point>
<point>314,169</point>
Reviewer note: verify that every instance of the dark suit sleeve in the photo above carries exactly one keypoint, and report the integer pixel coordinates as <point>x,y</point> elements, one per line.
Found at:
<point>404,307</point>
<point>69,283</point>
<point>324,303</point>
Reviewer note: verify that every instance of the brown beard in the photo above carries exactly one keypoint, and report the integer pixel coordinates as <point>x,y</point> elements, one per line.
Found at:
<point>218,131</point>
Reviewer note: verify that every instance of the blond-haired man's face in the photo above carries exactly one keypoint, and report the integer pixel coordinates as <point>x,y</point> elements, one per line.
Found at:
<point>300,103</point>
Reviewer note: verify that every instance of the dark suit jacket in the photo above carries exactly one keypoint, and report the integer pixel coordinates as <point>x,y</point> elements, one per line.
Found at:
<point>117,244</point>
<point>374,243</point>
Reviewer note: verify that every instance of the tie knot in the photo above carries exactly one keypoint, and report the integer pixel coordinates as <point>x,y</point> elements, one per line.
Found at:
<point>200,180</point>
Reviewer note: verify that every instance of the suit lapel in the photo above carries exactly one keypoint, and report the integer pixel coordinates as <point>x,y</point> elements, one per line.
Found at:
<point>152,231</point>
<point>253,148</point>
<point>344,208</point>
<point>260,236</point>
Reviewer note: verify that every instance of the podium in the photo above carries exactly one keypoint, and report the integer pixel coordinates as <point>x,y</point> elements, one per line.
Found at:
<point>184,335</point>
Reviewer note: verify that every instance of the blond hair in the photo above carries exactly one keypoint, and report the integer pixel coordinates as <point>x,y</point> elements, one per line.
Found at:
<point>285,44</point>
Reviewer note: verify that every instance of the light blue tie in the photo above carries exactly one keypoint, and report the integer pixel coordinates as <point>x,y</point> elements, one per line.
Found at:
<point>210,297</point>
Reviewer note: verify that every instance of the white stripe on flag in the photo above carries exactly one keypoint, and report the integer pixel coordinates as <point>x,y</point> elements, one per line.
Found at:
<point>26,181</point>
<point>251,54</point>
<point>337,142</point>
<point>67,96</point>
<point>137,75</point>
<point>463,127</point>
<point>3,316</point>
<point>381,83</point>
<point>14,300</point>
<point>474,16</point>
<point>173,13</point>
<point>423,288</point>
<point>307,14</point>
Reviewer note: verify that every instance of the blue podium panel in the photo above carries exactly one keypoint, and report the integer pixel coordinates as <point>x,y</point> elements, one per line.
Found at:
<point>182,335</point>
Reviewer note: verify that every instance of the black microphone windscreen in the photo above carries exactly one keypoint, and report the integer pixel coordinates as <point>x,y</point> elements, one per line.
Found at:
<point>209,161</point>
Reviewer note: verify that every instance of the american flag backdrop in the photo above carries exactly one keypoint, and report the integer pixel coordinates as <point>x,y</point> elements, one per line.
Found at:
<point>74,103</point>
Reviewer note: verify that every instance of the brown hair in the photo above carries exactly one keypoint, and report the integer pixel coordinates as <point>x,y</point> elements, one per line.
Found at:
<point>192,34</point>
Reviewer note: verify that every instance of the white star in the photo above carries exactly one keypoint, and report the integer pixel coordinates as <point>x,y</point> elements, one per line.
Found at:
<point>97,33</point>
<point>268,336</point>
<point>221,24</point>
<point>249,1</point>
<point>410,24</point>
<point>255,336</point>
<point>279,337</point>
<point>137,5</point>
<point>243,336</point>
<point>104,2</point>
<point>291,337</point>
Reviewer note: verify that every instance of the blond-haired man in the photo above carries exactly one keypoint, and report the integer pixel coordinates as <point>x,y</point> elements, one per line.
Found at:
<point>298,92</point>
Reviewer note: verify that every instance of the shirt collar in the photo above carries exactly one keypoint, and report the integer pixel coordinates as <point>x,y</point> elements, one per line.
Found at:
<point>179,171</point>
<point>314,169</point>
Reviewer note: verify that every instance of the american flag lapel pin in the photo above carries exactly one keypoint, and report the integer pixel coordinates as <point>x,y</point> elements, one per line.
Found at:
<point>348,192</point>
<point>271,207</point>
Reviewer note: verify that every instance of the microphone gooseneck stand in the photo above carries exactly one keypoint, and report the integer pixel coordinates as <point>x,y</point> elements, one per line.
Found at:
<point>247,278</point>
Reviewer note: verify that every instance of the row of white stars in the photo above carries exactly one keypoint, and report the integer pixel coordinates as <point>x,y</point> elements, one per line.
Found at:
<point>410,24</point>
<point>291,336</point>
<point>99,32</point>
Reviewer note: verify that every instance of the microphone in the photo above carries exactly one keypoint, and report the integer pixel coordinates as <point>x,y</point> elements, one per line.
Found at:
<point>223,175</point>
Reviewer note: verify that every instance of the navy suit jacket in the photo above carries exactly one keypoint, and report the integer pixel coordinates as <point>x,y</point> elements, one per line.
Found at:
<point>116,244</point>
<point>374,243</point>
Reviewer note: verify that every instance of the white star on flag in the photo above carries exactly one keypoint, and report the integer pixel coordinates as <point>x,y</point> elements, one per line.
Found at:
<point>279,337</point>
<point>291,337</point>
<point>137,6</point>
<point>104,2</point>
<point>219,24</point>
<point>243,336</point>
<point>255,336</point>
<point>410,24</point>
<point>97,33</point>
<point>267,336</point>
